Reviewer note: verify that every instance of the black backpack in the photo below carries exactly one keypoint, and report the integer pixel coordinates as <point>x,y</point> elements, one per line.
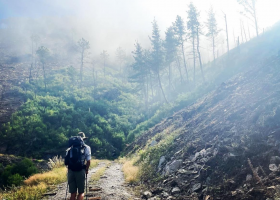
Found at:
<point>75,156</point>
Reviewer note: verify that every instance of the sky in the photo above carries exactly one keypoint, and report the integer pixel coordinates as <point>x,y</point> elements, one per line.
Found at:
<point>112,23</point>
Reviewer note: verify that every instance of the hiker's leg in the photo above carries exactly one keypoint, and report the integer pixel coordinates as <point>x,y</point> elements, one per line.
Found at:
<point>73,196</point>
<point>80,196</point>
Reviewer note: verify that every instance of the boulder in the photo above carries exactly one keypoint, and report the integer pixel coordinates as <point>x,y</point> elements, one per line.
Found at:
<point>161,161</point>
<point>273,167</point>
<point>173,166</point>
<point>175,190</point>
<point>147,194</point>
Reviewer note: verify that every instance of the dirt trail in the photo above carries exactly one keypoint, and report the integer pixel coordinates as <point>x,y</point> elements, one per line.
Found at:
<point>61,188</point>
<point>112,185</point>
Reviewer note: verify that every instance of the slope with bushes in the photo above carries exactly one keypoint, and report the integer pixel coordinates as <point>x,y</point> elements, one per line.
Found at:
<point>224,146</point>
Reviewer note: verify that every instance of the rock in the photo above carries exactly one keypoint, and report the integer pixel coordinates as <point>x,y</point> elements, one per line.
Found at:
<point>165,194</point>
<point>147,194</point>
<point>183,171</point>
<point>273,167</point>
<point>233,193</point>
<point>196,187</point>
<point>175,190</point>
<point>249,177</point>
<point>173,166</point>
<point>153,143</point>
<point>161,161</point>
<point>170,197</point>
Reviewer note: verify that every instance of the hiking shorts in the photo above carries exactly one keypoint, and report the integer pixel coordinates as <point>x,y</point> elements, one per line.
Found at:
<point>76,180</point>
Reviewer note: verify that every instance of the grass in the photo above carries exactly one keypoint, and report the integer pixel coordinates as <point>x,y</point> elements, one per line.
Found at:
<point>100,172</point>
<point>131,171</point>
<point>35,186</point>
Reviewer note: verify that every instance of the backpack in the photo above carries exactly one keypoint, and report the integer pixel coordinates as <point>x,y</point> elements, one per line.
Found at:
<point>75,155</point>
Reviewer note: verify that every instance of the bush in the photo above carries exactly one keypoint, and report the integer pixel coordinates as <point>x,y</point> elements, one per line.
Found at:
<point>14,174</point>
<point>15,179</point>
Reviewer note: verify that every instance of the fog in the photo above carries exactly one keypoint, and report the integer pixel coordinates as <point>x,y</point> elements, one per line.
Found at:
<point>110,24</point>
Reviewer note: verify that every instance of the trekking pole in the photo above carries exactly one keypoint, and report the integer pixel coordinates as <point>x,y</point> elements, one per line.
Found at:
<point>66,186</point>
<point>86,188</point>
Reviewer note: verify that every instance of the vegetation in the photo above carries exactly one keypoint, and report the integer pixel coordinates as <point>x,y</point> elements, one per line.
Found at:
<point>15,174</point>
<point>36,185</point>
<point>130,170</point>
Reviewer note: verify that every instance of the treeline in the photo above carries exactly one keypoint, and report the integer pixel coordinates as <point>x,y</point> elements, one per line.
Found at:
<point>106,99</point>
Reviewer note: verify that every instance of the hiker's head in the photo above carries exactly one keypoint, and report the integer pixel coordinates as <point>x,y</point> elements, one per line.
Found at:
<point>82,134</point>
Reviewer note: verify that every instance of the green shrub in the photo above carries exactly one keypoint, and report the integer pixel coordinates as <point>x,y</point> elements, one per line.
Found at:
<point>15,179</point>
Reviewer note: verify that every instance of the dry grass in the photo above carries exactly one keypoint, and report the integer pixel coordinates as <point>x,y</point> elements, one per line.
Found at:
<point>25,192</point>
<point>94,163</point>
<point>131,171</point>
<point>38,184</point>
<point>96,176</point>
<point>55,176</point>
<point>100,172</point>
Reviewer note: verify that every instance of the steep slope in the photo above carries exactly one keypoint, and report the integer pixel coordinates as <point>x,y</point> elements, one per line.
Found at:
<point>225,146</point>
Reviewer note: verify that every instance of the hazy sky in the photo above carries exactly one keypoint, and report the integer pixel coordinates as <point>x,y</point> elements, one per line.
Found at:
<point>121,22</point>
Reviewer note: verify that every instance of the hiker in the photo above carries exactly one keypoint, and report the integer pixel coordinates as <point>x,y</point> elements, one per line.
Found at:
<point>76,155</point>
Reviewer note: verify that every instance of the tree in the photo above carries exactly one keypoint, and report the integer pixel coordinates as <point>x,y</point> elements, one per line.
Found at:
<point>43,54</point>
<point>180,32</point>
<point>225,16</point>
<point>249,7</point>
<point>83,45</point>
<point>157,55</point>
<point>104,56</point>
<point>170,46</point>
<point>193,25</point>
<point>120,55</point>
<point>199,56</point>
<point>140,72</point>
<point>212,30</point>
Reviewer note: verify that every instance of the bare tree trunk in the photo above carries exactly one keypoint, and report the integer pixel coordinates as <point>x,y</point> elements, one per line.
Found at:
<point>185,65</point>
<point>244,31</point>
<point>255,17</point>
<point>193,60</point>
<point>160,85</point>
<point>241,32</point>
<point>227,34</point>
<point>199,56</point>
<point>179,68</point>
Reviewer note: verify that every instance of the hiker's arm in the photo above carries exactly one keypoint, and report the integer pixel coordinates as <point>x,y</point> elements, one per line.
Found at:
<point>87,166</point>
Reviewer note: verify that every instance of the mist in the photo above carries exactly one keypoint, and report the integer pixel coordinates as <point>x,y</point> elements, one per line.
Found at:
<point>112,24</point>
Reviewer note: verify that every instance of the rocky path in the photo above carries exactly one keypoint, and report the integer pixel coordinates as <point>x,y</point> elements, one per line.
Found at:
<point>111,186</point>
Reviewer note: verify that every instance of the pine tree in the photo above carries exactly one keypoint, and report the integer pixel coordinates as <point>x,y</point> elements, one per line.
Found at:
<point>140,72</point>
<point>157,55</point>
<point>83,45</point>
<point>170,47</point>
<point>193,25</point>
<point>180,31</point>
<point>212,30</point>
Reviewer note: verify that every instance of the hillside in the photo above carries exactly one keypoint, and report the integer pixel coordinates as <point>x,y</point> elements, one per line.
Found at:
<point>224,146</point>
